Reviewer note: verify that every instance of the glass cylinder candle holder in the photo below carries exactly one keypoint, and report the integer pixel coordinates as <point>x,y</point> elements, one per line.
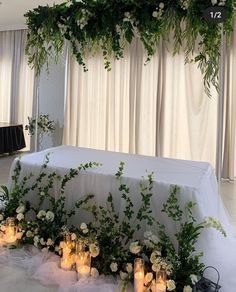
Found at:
<point>83,263</point>
<point>138,275</point>
<point>67,246</point>
<point>161,281</point>
<point>10,232</point>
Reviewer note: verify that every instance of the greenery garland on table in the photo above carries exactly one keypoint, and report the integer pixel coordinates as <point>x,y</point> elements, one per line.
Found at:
<point>111,237</point>
<point>91,25</point>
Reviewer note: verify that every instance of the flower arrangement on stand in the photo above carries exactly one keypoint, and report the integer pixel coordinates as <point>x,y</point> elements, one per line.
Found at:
<point>111,243</point>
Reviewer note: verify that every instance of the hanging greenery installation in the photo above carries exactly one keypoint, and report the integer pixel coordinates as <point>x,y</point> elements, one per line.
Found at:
<point>109,25</point>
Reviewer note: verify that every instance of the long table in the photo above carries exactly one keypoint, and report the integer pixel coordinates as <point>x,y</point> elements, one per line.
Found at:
<point>196,180</point>
<point>11,137</point>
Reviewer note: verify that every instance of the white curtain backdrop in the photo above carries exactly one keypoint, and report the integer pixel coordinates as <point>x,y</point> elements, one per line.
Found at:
<point>16,79</point>
<point>159,109</point>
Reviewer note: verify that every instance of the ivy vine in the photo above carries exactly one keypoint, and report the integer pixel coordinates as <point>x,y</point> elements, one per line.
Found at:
<point>109,25</point>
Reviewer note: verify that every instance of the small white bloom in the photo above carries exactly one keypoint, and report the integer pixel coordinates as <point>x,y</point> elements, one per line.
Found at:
<point>49,242</point>
<point>20,216</point>
<point>187,289</point>
<point>42,242</point>
<point>123,276</point>
<point>57,248</point>
<point>36,239</point>
<point>114,267</point>
<point>85,230</point>
<point>50,216</point>
<point>161,5</point>
<point>194,279</point>
<point>148,278</point>
<point>83,226</point>
<point>20,209</point>
<point>155,14</point>
<point>41,214</point>
<point>213,2</point>
<point>129,268</point>
<point>94,272</point>
<point>94,250</point>
<point>29,233</point>
<point>73,236</point>
<point>154,257</point>
<point>170,285</point>
<point>1,217</point>
<point>135,247</point>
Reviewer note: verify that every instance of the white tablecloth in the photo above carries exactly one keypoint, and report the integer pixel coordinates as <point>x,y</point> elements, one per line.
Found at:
<point>196,179</point>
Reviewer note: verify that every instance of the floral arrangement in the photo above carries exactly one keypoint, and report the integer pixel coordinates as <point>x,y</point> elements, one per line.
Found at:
<point>44,124</point>
<point>111,238</point>
<point>109,25</point>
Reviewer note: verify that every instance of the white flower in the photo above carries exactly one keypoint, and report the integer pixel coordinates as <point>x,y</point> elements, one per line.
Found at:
<point>156,267</point>
<point>213,2</point>
<point>36,239</point>
<point>1,217</point>
<point>187,289</point>
<point>57,248</point>
<point>148,278</point>
<point>20,216</point>
<point>20,209</point>
<point>155,14</point>
<point>170,285</point>
<point>29,233</point>
<point>129,268</point>
<point>41,214</point>
<point>50,216</point>
<point>42,242</point>
<point>154,257</point>
<point>94,250</point>
<point>134,247</point>
<point>84,228</point>
<point>73,236</point>
<point>194,279</point>
<point>114,267</point>
<point>49,242</point>
<point>19,235</point>
<point>94,272</point>
<point>161,5</point>
<point>123,276</point>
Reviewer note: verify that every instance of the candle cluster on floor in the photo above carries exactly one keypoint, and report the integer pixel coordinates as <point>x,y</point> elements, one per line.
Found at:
<point>9,234</point>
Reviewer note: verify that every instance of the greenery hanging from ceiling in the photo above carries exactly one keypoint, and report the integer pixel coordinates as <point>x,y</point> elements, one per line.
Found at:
<point>109,25</point>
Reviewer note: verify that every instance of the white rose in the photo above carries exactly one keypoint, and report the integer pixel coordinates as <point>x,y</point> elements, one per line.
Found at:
<point>36,239</point>
<point>194,279</point>
<point>20,216</point>
<point>83,226</point>
<point>1,217</point>
<point>85,230</point>
<point>29,233</point>
<point>94,272</point>
<point>123,276</point>
<point>154,257</point>
<point>148,278</point>
<point>155,14</point>
<point>134,247</point>
<point>213,2</point>
<point>50,216</point>
<point>73,236</point>
<point>94,250</point>
<point>20,209</point>
<point>41,214</point>
<point>114,267</point>
<point>170,285</point>
<point>129,268</point>
<point>42,242</point>
<point>187,289</point>
<point>19,235</point>
<point>49,242</point>
<point>161,5</point>
<point>156,267</point>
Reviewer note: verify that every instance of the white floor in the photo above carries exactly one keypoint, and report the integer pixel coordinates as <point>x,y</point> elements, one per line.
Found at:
<point>227,189</point>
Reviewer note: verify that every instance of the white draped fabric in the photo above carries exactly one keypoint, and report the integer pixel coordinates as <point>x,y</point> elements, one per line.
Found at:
<point>159,109</point>
<point>16,79</point>
<point>196,180</point>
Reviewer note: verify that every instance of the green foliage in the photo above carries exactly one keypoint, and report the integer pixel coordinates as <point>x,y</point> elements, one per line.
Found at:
<point>109,25</point>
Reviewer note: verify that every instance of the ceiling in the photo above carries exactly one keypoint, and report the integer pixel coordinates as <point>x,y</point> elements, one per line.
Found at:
<point>12,11</point>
